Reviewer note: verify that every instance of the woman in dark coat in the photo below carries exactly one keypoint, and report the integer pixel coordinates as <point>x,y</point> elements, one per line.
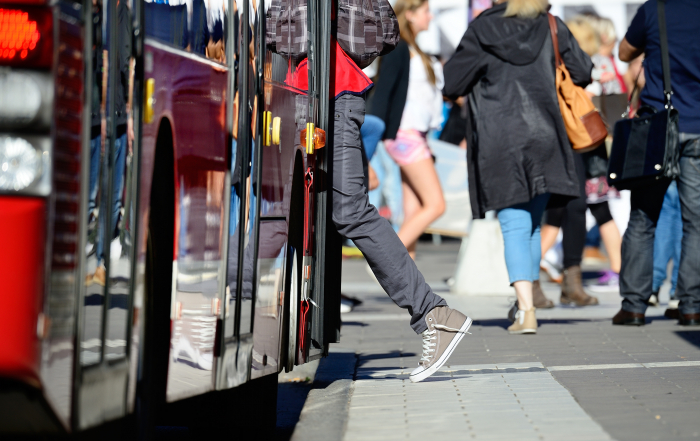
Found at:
<point>518,152</point>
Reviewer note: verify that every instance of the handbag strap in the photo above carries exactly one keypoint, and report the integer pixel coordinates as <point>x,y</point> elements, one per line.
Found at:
<point>663,38</point>
<point>555,40</point>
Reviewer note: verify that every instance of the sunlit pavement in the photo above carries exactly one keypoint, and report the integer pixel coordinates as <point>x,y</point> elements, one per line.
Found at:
<point>579,378</point>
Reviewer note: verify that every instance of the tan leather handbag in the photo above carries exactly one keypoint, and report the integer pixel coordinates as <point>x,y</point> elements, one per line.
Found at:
<point>583,123</point>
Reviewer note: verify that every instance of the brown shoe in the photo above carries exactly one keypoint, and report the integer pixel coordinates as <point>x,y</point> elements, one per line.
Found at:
<point>628,318</point>
<point>100,275</point>
<point>446,328</point>
<point>538,298</point>
<point>572,289</point>
<point>689,320</point>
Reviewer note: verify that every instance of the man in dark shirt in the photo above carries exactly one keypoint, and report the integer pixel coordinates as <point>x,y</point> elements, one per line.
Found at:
<point>682,17</point>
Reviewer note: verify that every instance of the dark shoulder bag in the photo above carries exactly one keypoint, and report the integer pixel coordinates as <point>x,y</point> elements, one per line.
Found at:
<point>645,148</point>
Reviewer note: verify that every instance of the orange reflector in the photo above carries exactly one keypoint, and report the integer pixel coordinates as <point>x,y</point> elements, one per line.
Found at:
<point>317,140</point>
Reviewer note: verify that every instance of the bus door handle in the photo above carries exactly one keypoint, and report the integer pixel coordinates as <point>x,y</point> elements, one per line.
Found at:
<point>267,122</point>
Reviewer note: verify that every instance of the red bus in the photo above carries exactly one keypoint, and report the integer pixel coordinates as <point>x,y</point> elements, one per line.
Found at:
<point>164,214</point>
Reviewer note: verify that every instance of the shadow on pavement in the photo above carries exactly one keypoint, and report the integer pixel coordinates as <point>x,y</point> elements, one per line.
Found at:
<point>329,391</point>
<point>692,337</point>
<point>504,323</point>
<point>290,401</point>
<point>361,324</point>
<point>392,354</point>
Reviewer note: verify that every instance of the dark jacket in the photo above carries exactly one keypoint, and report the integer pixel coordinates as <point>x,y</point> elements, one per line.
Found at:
<point>389,96</point>
<point>517,147</point>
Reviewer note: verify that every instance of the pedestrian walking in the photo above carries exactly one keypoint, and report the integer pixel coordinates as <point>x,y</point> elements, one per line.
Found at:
<point>645,36</point>
<point>571,218</point>
<point>667,247</point>
<point>518,152</point>
<point>597,191</point>
<point>423,201</point>
<point>440,327</point>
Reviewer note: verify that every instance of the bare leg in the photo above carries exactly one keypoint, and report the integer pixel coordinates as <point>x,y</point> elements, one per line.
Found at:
<point>613,244</point>
<point>423,181</point>
<point>549,235</point>
<point>523,289</point>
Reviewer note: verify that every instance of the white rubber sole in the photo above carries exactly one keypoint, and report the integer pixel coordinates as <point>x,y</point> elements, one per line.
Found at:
<point>523,331</point>
<point>422,375</point>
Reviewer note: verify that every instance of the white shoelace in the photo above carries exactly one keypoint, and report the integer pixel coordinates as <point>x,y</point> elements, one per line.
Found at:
<point>429,336</point>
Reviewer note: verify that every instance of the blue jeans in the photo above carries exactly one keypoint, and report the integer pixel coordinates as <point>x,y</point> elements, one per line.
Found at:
<point>95,144</point>
<point>115,202</point>
<point>371,131</point>
<point>520,225</point>
<point>667,242</point>
<point>636,276</point>
<point>389,192</point>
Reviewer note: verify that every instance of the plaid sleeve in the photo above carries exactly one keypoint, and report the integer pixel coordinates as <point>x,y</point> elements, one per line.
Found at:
<point>273,14</point>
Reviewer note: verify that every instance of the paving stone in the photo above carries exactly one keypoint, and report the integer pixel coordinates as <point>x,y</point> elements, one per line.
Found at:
<point>498,386</point>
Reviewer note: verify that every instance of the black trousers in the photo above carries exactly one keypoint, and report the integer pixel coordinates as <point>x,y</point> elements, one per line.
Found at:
<point>572,220</point>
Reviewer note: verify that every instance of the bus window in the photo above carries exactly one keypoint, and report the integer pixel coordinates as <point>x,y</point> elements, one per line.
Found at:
<point>237,188</point>
<point>197,26</point>
<point>122,189</point>
<point>109,251</point>
<point>243,204</point>
<point>91,340</point>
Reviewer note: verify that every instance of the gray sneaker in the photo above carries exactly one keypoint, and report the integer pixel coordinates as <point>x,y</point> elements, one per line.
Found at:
<point>446,328</point>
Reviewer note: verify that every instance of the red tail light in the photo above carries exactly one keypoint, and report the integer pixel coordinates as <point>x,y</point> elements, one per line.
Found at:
<point>26,34</point>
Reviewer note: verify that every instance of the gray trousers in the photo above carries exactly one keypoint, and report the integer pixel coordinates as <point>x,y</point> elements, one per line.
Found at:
<point>356,219</point>
<point>637,273</point>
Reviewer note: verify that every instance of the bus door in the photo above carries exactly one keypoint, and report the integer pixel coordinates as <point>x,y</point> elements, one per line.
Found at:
<point>187,68</point>
<point>108,258</point>
<point>266,205</point>
<point>239,206</point>
<point>327,245</point>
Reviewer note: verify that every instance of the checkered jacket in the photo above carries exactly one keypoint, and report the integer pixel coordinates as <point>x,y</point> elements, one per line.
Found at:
<point>366,29</point>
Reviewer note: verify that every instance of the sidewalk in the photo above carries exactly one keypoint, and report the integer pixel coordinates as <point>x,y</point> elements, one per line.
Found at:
<point>579,378</point>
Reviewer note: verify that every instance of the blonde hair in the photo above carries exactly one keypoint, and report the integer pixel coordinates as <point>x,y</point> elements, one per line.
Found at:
<point>407,35</point>
<point>526,8</point>
<point>605,29</point>
<point>585,34</point>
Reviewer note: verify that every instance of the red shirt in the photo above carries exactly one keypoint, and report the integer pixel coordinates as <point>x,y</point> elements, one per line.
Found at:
<point>346,76</point>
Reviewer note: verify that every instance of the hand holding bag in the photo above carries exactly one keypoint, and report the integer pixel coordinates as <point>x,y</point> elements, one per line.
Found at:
<point>645,148</point>
<point>583,123</point>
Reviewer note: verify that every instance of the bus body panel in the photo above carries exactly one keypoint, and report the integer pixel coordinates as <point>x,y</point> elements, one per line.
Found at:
<point>191,97</point>
<point>22,265</point>
<point>191,94</point>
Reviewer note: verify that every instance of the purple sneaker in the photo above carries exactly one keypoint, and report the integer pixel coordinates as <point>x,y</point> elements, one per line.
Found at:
<point>608,282</point>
